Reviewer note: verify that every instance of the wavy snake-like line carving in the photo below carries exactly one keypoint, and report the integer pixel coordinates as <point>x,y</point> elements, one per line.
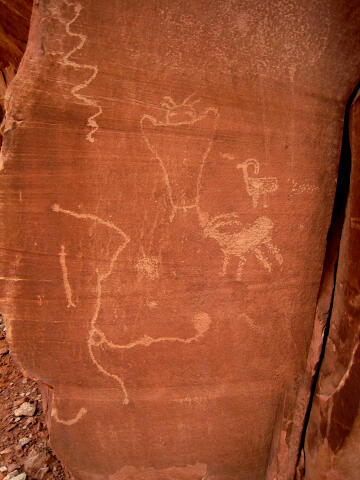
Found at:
<point>92,123</point>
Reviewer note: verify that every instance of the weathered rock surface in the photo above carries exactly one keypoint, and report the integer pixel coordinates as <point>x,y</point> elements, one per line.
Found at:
<point>332,448</point>
<point>26,409</point>
<point>168,176</point>
<point>14,28</point>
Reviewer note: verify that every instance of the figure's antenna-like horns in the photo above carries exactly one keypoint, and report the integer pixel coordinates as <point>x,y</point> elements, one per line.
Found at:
<point>168,102</point>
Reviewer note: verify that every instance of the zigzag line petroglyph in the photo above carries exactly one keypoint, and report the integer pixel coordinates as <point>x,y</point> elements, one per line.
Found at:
<point>67,287</point>
<point>92,123</point>
<point>71,421</point>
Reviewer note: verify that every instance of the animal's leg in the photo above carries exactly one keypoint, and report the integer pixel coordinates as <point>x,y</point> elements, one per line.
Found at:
<point>265,200</point>
<point>259,255</point>
<point>275,251</point>
<point>225,263</point>
<point>255,198</point>
<point>242,261</point>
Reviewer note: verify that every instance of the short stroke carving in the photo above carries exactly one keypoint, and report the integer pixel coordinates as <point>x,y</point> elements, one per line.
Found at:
<point>238,240</point>
<point>256,187</point>
<point>67,286</point>
<point>181,143</point>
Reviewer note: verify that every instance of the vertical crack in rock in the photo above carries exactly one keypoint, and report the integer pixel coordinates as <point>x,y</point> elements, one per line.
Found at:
<point>329,275</point>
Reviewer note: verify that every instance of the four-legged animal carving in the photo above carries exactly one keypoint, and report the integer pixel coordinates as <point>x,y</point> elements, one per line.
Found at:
<point>238,240</point>
<point>257,186</point>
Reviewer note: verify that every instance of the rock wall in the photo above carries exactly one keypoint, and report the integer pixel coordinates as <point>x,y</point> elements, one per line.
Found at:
<point>333,436</point>
<point>168,176</point>
<point>14,29</point>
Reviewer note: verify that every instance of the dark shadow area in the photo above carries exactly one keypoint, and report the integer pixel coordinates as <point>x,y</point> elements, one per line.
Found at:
<point>333,244</point>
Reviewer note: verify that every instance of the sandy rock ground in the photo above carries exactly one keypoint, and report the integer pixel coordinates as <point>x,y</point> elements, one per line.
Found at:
<point>25,453</point>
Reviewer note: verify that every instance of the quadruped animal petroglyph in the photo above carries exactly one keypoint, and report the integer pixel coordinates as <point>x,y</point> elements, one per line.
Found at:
<point>256,187</point>
<point>238,240</point>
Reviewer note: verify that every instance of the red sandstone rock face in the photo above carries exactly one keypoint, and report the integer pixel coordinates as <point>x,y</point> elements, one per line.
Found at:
<point>168,175</point>
<point>333,435</point>
<point>14,28</point>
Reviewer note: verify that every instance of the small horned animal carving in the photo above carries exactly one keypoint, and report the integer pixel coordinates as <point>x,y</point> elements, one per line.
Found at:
<point>257,186</point>
<point>238,240</point>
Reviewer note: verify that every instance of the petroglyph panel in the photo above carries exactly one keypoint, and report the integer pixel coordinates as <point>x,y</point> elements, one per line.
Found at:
<point>167,192</point>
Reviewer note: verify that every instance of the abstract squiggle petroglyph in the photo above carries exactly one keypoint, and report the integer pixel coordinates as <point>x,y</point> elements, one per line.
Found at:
<point>67,287</point>
<point>201,322</point>
<point>178,118</point>
<point>238,240</point>
<point>96,337</point>
<point>80,414</point>
<point>100,279</point>
<point>148,266</point>
<point>71,421</point>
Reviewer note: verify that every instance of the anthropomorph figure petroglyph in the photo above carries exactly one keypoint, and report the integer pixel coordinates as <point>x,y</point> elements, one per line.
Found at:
<point>181,143</point>
<point>238,240</point>
<point>256,187</point>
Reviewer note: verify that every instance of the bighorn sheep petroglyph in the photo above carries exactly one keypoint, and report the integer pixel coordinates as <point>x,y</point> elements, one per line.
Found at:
<point>257,186</point>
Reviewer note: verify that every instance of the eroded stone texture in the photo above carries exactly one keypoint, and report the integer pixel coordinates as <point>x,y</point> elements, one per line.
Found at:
<point>169,170</point>
<point>14,27</point>
<point>332,449</point>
